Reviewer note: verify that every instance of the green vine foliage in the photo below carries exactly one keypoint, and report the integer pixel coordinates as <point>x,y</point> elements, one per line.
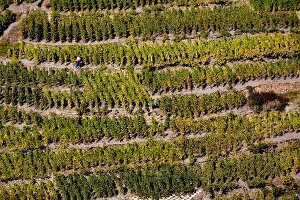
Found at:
<point>73,5</point>
<point>275,5</point>
<point>161,180</point>
<point>6,18</point>
<point>96,154</point>
<point>114,91</point>
<point>16,73</point>
<point>31,190</point>
<point>170,80</point>
<point>218,142</point>
<point>65,130</point>
<point>154,81</point>
<point>155,55</point>
<point>91,26</point>
<point>194,106</point>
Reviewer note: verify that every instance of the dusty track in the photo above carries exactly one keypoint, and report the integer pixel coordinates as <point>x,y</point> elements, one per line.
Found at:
<point>284,137</point>
<point>156,40</point>
<point>238,86</point>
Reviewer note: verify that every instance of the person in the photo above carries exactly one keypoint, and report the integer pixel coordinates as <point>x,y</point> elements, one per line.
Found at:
<point>78,62</point>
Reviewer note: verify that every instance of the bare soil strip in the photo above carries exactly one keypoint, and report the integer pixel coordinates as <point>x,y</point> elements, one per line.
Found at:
<point>157,40</point>
<point>284,137</point>
<point>239,86</point>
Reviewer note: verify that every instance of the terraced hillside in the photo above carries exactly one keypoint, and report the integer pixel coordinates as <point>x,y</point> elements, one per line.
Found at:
<point>175,99</point>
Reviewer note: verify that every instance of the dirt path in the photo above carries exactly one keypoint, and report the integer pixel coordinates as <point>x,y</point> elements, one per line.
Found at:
<point>200,194</point>
<point>284,137</point>
<point>113,142</point>
<point>71,66</point>
<point>245,110</point>
<point>137,67</point>
<point>157,40</point>
<point>209,89</point>
<point>280,88</point>
<point>11,34</point>
<point>12,28</point>
<point>25,8</point>
<point>49,111</point>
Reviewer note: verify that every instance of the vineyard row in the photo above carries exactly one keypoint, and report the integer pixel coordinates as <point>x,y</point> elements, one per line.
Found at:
<point>161,180</point>
<point>275,5</point>
<point>226,135</point>
<point>96,26</point>
<point>155,55</point>
<point>81,101</point>
<point>42,130</point>
<point>16,73</point>
<point>159,81</point>
<point>81,5</point>
<point>97,98</point>
<point>154,81</point>
<point>193,106</point>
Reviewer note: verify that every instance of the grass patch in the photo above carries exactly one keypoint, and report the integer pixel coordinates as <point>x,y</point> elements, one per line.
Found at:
<point>294,96</point>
